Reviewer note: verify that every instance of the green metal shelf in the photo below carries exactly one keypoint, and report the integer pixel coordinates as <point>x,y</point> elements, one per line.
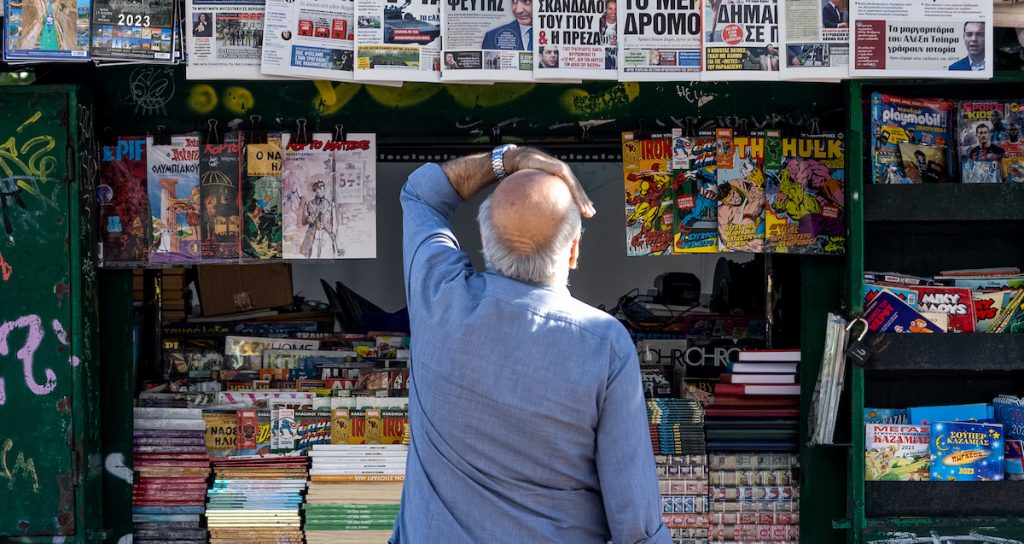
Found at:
<point>944,202</point>
<point>943,499</point>
<point>947,352</point>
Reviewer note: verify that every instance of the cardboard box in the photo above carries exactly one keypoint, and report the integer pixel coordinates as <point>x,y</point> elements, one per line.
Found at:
<point>229,289</point>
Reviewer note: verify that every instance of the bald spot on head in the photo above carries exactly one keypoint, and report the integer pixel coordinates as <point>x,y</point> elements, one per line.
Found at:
<point>527,209</point>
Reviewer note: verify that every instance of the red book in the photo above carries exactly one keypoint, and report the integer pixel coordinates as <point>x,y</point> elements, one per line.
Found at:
<point>712,411</point>
<point>776,401</point>
<point>758,378</point>
<point>744,389</point>
<point>957,302</point>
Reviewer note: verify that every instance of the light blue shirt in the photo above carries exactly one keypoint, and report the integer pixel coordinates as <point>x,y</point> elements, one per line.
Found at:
<point>525,405</point>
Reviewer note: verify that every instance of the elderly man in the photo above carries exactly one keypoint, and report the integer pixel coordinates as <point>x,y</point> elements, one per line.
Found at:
<point>526,407</point>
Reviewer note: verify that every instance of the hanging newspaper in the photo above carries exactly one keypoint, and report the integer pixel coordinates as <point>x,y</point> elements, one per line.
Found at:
<point>224,39</point>
<point>659,40</point>
<point>576,39</point>
<point>309,38</point>
<point>815,40</point>
<point>741,39</point>
<point>487,40</point>
<point>922,38</point>
<point>398,42</point>
<point>37,30</point>
<point>132,30</point>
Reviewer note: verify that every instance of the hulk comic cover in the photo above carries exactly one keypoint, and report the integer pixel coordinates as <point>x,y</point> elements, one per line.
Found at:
<point>741,195</point>
<point>695,184</point>
<point>650,203</point>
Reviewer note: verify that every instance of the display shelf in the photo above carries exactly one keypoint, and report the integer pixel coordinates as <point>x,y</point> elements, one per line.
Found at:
<point>945,202</point>
<point>959,352</point>
<point>952,499</point>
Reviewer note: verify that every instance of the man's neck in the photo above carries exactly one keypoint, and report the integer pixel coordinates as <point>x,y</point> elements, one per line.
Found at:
<point>979,60</point>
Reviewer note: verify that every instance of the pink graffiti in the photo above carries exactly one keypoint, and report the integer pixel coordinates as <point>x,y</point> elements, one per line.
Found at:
<point>5,269</point>
<point>32,341</point>
<point>63,338</point>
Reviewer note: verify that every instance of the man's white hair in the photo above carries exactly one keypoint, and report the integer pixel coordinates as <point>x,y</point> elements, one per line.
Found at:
<point>550,258</point>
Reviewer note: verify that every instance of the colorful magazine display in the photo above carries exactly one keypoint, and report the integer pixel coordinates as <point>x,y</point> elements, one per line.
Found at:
<point>220,171</point>
<point>896,452</point>
<point>966,452</point>
<point>741,186</point>
<point>915,120</point>
<point>261,200</point>
<point>174,199</point>
<point>650,207</point>
<point>695,183</point>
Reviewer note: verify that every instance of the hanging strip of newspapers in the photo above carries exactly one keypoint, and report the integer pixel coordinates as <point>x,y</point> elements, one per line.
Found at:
<point>487,40</point>
<point>575,39</point>
<point>224,39</point>
<point>815,40</point>
<point>741,39</point>
<point>309,38</point>
<point>659,40</point>
<point>922,38</point>
<point>398,41</point>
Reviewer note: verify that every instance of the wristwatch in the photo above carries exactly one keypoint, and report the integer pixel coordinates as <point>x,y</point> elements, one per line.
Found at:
<point>498,160</point>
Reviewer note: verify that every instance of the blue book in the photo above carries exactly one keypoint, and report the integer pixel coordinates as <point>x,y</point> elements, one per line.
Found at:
<point>1010,413</point>
<point>888,313</point>
<point>966,452</point>
<point>887,416</point>
<point>924,415</point>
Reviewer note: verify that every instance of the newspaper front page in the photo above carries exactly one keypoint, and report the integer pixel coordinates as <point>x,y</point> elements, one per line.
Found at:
<point>487,40</point>
<point>816,40</point>
<point>576,39</point>
<point>398,41</point>
<point>921,38</point>
<point>660,40</point>
<point>741,40</point>
<point>225,38</point>
<point>309,38</point>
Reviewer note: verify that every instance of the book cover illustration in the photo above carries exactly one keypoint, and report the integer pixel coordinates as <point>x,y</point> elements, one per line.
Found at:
<point>1009,412</point>
<point>964,452</point>
<point>221,430</point>
<point>896,119</point>
<point>35,30</point>
<point>219,177</point>
<point>988,306</point>
<point>892,416</point>
<point>741,205</point>
<point>650,206</point>
<point>1013,169</point>
<point>924,163</point>
<point>308,229</point>
<point>956,302</point>
<point>980,130</point>
<point>121,194</point>
<point>887,313</point>
<point>174,199</point>
<point>261,199</point>
<point>871,290</point>
<point>805,211</point>
<point>696,192</point>
<point>355,194</point>
<point>133,30</point>
<point>896,452</point>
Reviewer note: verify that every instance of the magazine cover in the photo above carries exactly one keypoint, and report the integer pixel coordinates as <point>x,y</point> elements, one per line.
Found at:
<point>308,199</point>
<point>816,40</point>
<point>309,38</point>
<point>741,205</point>
<point>1010,413</point>
<point>39,31</point>
<point>741,40</point>
<point>924,163</point>
<point>246,352</point>
<point>957,302</point>
<point>398,42</point>
<point>871,290</point>
<point>895,119</point>
<point>696,191</point>
<point>355,196</point>
<point>224,39</point>
<point>989,141</point>
<point>219,176</point>
<point>261,199</point>
<point>133,30</point>
<point>487,41</point>
<point>121,194</point>
<point>805,198</point>
<point>174,199</point>
<point>990,305</point>
<point>896,452</point>
<point>659,41</point>
<point>966,452</point>
<point>888,313</point>
<point>575,40</point>
<point>650,207</point>
<point>1013,169</point>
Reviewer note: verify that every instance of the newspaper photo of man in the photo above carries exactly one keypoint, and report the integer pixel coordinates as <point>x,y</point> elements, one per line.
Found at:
<point>974,40</point>
<point>834,14</point>
<point>516,35</point>
<point>548,57</point>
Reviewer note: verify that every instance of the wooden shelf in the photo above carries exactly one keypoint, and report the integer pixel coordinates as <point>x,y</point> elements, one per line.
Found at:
<point>976,352</point>
<point>946,202</point>
<point>952,499</point>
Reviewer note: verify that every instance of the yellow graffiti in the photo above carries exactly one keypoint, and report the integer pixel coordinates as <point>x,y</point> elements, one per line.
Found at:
<point>331,97</point>
<point>202,98</point>
<point>26,468</point>
<point>580,102</point>
<point>238,99</point>
<point>409,94</point>
<point>30,120</point>
<point>487,96</point>
<point>31,159</point>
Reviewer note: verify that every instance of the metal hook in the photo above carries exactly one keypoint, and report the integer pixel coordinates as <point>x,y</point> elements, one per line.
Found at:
<point>212,136</point>
<point>339,133</point>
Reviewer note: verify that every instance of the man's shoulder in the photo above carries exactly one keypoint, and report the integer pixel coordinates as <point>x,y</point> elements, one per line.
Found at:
<point>962,64</point>
<point>506,26</point>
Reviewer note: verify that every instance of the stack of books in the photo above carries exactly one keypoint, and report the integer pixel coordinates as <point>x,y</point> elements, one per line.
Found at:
<point>756,405</point>
<point>172,468</point>
<point>256,499</point>
<point>683,485</point>
<point>354,493</point>
<point>676,426</point>
<point>754,497</point>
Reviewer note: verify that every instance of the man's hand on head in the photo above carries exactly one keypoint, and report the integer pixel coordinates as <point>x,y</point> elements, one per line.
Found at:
<point>528,158</point>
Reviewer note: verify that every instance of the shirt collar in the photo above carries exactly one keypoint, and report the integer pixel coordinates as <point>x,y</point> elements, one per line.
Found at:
<point>977,65</point>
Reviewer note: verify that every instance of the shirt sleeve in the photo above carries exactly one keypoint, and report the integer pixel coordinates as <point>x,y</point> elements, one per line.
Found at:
<point>625,461</point>
<point>431,253</point>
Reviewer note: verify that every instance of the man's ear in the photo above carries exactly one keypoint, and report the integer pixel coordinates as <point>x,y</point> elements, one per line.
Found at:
<point>574,254</point>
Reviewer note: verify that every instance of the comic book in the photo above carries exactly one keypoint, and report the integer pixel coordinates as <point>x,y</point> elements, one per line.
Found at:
<point>924,163</point>
<point>805,200</point>
<point>174,199</point>
<point>741,185</point>
<point>650,206</point>
<point>261,199</point>
<point>219,176</point>
<point>966,452</point>
<point>887,313</point>
<point>989,305</point>
<point>957,302</point>
<point>871,290</point>
<point>1010,413</point>
<point>916,120</point>
<point>980,130</point>
<point>896,452</point>
<point>695,184</point>
<point>308,199</point>
<point>121,193</point>
<point>355,196</point>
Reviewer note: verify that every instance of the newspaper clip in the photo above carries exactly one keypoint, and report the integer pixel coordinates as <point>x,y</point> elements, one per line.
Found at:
<point>301,135</point>
<point>212,135</point>
<point>641,132</point>
<point>496,135</point>
<point>585,133</point>
<point>339,133</point>
<point>257,134</point>
<point>161,136</point>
